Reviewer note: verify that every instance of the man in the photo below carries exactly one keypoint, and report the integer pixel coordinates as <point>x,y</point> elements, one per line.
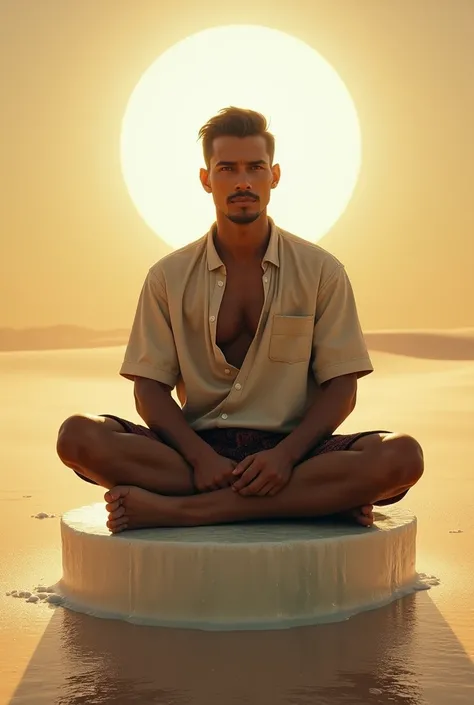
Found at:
<point>258,331</point>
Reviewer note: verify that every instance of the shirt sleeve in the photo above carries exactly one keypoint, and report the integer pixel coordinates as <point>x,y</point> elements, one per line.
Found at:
<point>339,347</point>
<point>151,350</point>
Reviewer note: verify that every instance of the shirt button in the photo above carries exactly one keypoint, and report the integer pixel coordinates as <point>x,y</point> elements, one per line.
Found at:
<point>265,279</point>
<point>212,319</point>
<point>227,371</point>
<point>220,283</point>
<point>224,416</point>
<point>238,386</point>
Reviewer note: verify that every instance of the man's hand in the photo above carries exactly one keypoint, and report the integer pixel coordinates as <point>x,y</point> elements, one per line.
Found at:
<point>213,473</point>
<point>263,473</point>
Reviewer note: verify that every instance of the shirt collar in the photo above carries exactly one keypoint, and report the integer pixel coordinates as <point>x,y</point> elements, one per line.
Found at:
<point>271,254</point>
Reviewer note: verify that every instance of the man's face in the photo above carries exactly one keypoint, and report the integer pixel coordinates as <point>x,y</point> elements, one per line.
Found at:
<point>240,177</point>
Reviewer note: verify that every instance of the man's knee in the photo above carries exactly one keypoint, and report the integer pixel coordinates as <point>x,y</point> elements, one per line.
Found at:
<point>405,460</point>
<point>79,439</point>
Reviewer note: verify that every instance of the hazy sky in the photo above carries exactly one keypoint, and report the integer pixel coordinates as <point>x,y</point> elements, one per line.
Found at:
<point>74,249</point>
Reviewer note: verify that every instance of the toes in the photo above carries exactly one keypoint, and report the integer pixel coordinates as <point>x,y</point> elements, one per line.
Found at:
<point>117,513</point>
<point>365,520</point>
<point>116,493</point>
<point>363,515</point>
<point>116,525</point>
<point>113,506</point>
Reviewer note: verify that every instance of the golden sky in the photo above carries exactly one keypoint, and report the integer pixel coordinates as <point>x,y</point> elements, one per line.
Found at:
<point>74,249</point>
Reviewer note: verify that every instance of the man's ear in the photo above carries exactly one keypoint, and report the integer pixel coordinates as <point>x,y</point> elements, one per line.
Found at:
<point>205,181</point>
<point>276,175</point>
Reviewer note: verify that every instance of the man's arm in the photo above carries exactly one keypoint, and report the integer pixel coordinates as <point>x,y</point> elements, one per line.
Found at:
<point>162,414</point>
<point>151,362</point>
<point>330,408</point>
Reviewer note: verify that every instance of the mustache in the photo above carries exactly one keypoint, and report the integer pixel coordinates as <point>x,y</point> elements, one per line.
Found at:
<point>247,194</point>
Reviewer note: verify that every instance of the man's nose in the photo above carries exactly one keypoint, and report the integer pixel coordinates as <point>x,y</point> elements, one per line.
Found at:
<point>243,183</point>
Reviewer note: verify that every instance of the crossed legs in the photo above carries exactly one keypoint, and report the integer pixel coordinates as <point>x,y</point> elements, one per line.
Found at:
<point>150,484</point>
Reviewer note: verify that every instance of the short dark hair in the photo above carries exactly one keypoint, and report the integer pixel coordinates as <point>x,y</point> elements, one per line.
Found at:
<point>235,122</point>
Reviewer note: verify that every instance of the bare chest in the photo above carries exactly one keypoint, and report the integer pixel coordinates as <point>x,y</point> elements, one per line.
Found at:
<point>239,313</point>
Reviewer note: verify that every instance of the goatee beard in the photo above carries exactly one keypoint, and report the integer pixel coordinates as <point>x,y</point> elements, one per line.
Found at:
<point>244,218</point>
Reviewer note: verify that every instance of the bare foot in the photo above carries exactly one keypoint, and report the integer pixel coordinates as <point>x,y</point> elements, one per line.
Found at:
<point>361,515</point>
<point>134,508</point>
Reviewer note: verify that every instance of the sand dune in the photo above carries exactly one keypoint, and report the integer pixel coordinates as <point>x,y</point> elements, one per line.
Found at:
<point>427,344</point>
<point>59,337</point>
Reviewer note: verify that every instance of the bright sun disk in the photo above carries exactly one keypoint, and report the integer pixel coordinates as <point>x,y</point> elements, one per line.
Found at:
<point>310,111</point>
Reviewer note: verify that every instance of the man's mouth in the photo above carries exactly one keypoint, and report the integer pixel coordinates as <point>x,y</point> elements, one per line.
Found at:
<point>243,199</point>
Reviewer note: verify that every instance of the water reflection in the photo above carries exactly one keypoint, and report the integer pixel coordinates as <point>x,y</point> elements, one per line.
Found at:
<point>331,662</point>
<point>375,658</point>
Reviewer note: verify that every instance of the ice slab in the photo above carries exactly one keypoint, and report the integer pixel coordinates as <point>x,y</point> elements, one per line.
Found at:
<point>239,576</point>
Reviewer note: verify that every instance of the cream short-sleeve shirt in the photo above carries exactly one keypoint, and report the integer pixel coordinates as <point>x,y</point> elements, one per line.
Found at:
<point>309,333</point>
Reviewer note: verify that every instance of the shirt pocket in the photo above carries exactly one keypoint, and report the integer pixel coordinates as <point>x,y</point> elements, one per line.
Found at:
<point>291,338</point>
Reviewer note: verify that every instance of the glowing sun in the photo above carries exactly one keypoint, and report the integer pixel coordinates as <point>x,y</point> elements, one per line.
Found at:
<point>310,111</point>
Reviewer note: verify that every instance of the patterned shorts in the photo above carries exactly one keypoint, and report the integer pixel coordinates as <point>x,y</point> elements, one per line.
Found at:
<point>237,443</point>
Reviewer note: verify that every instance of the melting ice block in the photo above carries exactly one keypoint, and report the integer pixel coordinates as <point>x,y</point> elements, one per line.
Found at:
<point>237,576</point>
